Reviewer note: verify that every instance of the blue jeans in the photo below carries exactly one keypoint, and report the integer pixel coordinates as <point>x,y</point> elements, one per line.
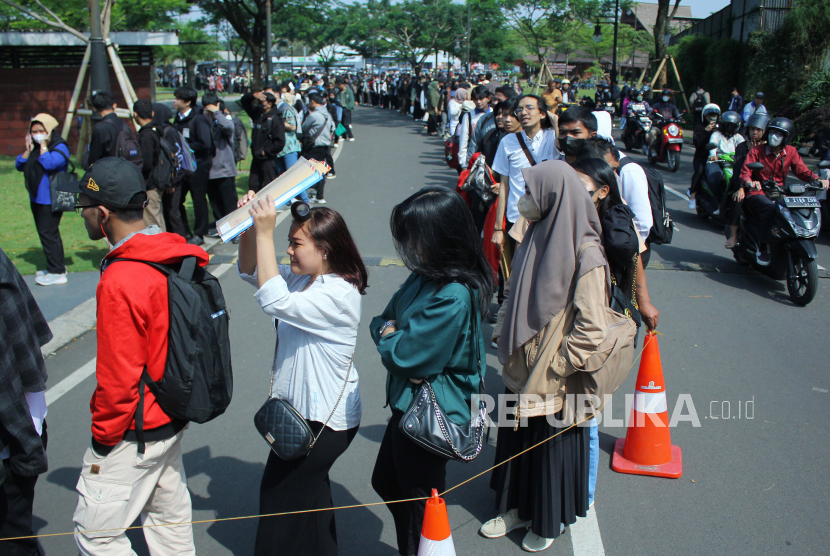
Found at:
<point>593,461</point>
<point>286,162</point>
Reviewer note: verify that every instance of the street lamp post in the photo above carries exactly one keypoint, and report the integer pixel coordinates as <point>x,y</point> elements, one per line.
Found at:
<point>468,38</point>
<point>614,55</point>
<point>99,74</point>
<point>269,64</point>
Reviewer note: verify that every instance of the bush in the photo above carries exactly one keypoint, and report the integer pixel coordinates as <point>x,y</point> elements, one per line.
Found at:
<point>711,62</point>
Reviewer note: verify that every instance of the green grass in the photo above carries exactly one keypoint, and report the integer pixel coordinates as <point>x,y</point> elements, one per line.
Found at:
<point>18,236</point>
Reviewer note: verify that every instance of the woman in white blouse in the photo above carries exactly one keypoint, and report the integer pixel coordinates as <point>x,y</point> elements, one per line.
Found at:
<point>317,302</point>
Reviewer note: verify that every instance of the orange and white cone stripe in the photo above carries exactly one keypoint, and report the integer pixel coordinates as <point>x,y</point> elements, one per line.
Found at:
<point>436,538</point>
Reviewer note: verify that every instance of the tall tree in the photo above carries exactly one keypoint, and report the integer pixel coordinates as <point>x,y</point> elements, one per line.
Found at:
<point>196,45</point>
<point>661,29</point>
<point>417,29</point>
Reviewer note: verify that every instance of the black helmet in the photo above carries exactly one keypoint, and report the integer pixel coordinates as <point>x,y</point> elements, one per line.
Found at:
<point>782,124</point>
<point>758,119</point>
<point>731,117</point>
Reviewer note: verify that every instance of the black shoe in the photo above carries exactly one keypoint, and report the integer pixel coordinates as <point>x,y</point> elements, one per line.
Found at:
<point>196,240</point>
<point>235,240</point>
<point>762,257</point>
<point>212,233</point>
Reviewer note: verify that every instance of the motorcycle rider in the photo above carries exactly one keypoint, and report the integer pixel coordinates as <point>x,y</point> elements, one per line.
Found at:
<point>731,207</point>
<point>703,131</point>
<point>635,105</point>
<point>568,95</point>
<point>778,158</point>
<point>603,94</point>
<point>665,108</point>
<point>727,139</point>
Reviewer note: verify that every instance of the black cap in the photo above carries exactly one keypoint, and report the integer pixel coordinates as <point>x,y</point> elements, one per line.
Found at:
<point>759,94</point>
<point>111,181</point>
<point>271,85</point>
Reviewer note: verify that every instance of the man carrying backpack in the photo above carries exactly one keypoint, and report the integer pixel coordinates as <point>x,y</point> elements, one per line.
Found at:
<point>222,182</point>
<point>149,142</point>
<point>125,477</point>
<point>111,136</point>
<point>267,137</point>
<point>171,196</point>
<point>195,127</point>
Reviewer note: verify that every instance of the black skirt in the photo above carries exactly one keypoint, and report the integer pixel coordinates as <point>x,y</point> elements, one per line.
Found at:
<point>549,484</point>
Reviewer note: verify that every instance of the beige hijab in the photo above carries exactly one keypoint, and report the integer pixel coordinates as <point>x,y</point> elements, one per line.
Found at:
<point>545,266</point>
<point>47,121</point>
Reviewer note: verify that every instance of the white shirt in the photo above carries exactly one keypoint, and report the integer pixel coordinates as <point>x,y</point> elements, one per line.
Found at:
<point>317,331</point>
<point>725,144</point>
<point>465,131</point>
<point>634,190</point>
<point>510,159</point>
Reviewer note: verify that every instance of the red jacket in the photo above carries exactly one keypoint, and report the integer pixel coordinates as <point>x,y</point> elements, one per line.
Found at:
<point>132,332</point>
<point>775,167</point>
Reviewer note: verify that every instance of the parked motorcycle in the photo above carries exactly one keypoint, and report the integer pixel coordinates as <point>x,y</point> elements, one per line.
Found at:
<point>792,251</point>
<point>710,197</point>
<point>670,143</point>
<point>635,134</point>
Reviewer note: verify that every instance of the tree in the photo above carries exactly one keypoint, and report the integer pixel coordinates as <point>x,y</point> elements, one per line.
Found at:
<point>358,27</point>
<point>417,29</point>
<point>661,28</point>
<point>195,45</point>
<point>630,41</point>
<point>596,50</point>
<point>490,40</point>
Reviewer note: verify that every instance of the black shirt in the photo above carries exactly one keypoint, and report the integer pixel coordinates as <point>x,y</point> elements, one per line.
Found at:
<point>104,137</point>
<point>150,145</point>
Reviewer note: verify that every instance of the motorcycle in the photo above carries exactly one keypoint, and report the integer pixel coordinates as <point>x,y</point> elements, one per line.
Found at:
<point>635,134</point>
<point>710,196</point>
<point>671,141</point>
<point>792,250</point>
<point>610,108</point>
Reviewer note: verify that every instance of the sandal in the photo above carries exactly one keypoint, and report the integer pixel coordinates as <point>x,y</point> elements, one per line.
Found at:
<point>730,244</point>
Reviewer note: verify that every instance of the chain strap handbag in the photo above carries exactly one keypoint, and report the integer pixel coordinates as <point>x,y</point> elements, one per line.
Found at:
<point>426,424</point>
<point>281,425</point>
<point>622,303</point>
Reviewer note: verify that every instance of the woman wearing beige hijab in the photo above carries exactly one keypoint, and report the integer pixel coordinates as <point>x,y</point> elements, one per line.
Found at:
<point>555,320</point>
<point>46,153</point>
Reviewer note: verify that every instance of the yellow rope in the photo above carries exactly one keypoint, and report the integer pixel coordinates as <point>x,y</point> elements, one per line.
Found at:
<point>239,518</point>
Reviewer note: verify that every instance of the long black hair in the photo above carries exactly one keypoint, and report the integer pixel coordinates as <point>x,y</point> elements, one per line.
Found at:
<point>435,236</point>
<point>601,174</point>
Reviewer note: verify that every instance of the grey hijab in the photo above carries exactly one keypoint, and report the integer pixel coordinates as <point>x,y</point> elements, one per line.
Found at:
<point>548,262</point>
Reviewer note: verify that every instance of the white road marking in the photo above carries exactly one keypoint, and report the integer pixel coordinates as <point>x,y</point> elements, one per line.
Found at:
<point>223,268</point>
<point>70,325</point>
<point>820,267</point>
<point>821,390</point>
<point>55,392</point>
<point>678,193</point>
<point>585,536</point>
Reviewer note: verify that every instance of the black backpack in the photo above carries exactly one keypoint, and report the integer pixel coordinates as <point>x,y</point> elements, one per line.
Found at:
<point>663,228</point>
<point>168,169</point>
<point>240,140</point>
<point>126,145</point>
<point>198,379</point>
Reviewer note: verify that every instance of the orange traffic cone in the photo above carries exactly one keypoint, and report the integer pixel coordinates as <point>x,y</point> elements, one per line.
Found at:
<point>436,539</point>
<point>647,448</point>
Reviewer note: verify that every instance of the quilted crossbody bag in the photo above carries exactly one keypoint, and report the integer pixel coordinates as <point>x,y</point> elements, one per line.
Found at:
<point>281,425</point>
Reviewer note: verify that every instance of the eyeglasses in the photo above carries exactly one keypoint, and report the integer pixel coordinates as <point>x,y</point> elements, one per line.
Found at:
<point>528,108</point>
<point>80,208</point>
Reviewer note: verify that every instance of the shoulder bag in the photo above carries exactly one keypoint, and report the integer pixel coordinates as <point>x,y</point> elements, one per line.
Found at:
<point>525,149</point>
<point>426,424</point>
<point>281,425</point>
<point>62,201</point>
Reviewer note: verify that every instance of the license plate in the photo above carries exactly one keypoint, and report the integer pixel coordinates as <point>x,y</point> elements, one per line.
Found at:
<point>797,202</point>
<point>676,140</point>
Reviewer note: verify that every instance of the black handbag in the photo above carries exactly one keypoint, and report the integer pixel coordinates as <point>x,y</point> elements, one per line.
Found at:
<point>623,303</point>
<point>426,424</point>
<point>281,425</point>
<point>62,201</point>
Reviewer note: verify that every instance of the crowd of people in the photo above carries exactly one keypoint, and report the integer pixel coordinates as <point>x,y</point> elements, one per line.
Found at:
<point>548,235</point>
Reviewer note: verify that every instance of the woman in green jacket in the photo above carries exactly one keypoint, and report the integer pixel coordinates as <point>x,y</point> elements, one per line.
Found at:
<point>426,332</point>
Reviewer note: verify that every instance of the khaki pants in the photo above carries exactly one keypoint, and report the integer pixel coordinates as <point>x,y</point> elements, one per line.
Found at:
<point>153,213</point>
<point>117,489</point>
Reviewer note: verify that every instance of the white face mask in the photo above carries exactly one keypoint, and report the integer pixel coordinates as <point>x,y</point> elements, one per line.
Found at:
<point>775,139</point>
<point>39,137</point>
<point>639,99</point>
<point>528,208</point>
<point>665,99</point>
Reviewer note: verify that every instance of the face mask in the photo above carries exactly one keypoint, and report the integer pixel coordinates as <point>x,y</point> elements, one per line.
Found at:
<point>39,137</point>
<point>639,99</point>
<point>775,139</point>
<point>570,145</point>
<point>665,99</point>
<point>529,209</point>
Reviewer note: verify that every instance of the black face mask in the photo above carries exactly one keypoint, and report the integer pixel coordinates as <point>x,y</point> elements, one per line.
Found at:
<point>570,145</point>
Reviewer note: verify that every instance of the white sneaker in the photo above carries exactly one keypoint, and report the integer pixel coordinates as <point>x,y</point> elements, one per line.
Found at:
<point>51,279</point>
<point>320,201</point>
<point>41,273</point>
<point>494,344</point>
<point>336,146</point>
<point>534,543</point>
<point>351,138</point>
<point>692,204</point>
<point>502,524</point>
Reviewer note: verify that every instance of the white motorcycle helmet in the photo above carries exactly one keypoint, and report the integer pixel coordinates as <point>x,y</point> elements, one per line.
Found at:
<point>710,110</point>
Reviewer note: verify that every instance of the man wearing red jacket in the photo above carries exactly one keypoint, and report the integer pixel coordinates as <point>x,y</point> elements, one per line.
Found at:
<point>118,484</point>
<point>778,159</point>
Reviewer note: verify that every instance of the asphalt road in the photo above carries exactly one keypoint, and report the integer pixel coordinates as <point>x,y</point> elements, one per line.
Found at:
<point>753,483</point>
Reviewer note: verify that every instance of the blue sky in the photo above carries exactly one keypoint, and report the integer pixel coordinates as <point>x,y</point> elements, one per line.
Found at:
<point>702,8</point>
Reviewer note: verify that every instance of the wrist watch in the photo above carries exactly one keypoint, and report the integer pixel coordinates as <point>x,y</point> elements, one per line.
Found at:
<point>384,326</point>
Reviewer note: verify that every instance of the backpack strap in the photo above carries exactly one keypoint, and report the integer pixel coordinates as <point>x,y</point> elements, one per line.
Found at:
<point>525,149</point>
<point>187,269</point>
